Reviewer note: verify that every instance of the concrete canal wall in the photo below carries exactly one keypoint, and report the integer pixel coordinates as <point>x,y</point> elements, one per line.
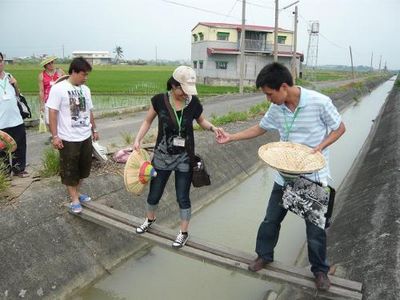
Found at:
<point>364,240</point>
<point>47,253</point>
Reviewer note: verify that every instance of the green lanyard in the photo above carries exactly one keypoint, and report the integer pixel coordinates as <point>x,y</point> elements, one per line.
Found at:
<point>288,127</point>
<point>178,120</point>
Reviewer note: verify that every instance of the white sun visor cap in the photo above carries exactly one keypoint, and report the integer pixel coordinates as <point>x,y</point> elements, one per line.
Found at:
<point>186,76</point>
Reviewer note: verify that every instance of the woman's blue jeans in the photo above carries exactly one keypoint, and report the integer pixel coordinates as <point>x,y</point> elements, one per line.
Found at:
<point>182,188</point>
<point>268,234</point>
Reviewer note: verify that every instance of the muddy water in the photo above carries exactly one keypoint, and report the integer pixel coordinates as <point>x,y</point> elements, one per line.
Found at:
<point>232,220</point>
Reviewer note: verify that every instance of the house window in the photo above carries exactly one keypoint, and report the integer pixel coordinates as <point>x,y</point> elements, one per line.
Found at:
<point>195,64</point>
<point>200,64</point>
<point>281,39</point>
<point>223,36</point>
<point>221,65</point>
<point>195,38</point>
<point>201,36</point>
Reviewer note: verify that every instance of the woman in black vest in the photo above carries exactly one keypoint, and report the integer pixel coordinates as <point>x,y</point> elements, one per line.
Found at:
<point>176,111</point>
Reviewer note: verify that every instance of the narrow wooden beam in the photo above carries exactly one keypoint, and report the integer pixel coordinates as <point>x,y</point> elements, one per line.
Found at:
<point>204,251</point>
<point>219,250</point>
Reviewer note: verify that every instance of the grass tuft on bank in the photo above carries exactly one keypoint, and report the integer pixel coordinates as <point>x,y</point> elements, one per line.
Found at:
<point>51,163</point>
<point>234,116</point>
<point>4,177</point>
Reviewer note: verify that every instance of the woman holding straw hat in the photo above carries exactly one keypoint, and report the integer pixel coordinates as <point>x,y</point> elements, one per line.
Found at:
<point>176,109</point>
<point>47,78</point>
<point>11,122</point>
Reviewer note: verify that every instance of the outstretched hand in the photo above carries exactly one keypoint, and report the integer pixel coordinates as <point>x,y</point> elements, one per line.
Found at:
<point>223,137</point>
<point>217,131</point>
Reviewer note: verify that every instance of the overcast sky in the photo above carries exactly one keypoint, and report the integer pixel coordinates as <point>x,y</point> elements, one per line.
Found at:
<point>142,26</point>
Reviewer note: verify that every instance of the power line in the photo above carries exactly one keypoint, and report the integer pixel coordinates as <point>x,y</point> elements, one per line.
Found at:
<point>259,5</point>
<point>198,8</point>
<point>233,7</point>
<point>333,43</point>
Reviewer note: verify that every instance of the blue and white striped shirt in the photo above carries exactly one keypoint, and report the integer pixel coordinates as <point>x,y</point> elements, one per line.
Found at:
<point>316,118</point>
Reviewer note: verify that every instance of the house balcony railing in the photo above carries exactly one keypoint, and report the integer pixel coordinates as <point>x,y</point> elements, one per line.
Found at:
<point>262,46</point>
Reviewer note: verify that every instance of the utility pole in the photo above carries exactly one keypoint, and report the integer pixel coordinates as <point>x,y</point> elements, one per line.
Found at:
<point>242,46</point>
<point>276,31</point>
<point>372,56</point>
<point>156,55</point>
<point>380,61</point>
<point>63,50</point>
<point>294,59</point>
<point>352,66</point>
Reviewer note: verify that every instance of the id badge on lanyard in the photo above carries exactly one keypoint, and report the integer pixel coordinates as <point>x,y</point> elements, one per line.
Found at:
<point>178,141</point>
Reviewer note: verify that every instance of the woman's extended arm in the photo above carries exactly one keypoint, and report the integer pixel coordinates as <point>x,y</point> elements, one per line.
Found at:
<point>151,114</point>
<point>206,125</point>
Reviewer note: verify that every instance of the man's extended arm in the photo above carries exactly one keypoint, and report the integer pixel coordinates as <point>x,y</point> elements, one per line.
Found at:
<point>248,133</point>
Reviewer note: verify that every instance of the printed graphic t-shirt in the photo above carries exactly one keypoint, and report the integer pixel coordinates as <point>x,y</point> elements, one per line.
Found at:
<point>74,104</point>
<point>166,155</point>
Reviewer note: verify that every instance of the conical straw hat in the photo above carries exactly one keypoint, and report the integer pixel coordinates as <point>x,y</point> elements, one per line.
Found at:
<point>138,171</point>
<point>291,158</point>
<point>61,78</point>
<point>47,60</point>
<point>7,143</point>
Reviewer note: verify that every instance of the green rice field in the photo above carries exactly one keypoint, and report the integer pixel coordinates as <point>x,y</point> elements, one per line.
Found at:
<point>123,86</point>
<point>115,80</point>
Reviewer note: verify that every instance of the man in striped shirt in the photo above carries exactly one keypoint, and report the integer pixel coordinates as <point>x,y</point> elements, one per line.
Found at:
<point>301,116</point>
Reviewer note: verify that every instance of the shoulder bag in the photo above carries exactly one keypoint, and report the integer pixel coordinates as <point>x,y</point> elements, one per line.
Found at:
<point>309,200</point>
<point>23,106</point>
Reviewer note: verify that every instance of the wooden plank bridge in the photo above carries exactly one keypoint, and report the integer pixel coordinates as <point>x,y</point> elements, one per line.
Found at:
<point>220,255</point>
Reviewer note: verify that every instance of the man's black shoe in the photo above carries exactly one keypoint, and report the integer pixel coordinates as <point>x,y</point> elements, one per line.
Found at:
<point>322,281</point>
<point>258,264</point>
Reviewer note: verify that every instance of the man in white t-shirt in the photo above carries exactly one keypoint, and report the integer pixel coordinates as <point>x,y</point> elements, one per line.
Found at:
<point>72,127</point>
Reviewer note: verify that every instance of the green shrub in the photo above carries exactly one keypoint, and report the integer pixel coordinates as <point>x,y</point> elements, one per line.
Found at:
<point>51,163</point>
<point>4,177</point>
<point>231,117</point>
<point>127,137</point>
<point>260,108</point>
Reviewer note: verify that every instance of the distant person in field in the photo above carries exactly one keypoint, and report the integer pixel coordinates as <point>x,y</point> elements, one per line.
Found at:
<point>176,110</point>
<point>300,116</point>
<point>47,79</point>
<point>11,122</point>
<point>73,127</point>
